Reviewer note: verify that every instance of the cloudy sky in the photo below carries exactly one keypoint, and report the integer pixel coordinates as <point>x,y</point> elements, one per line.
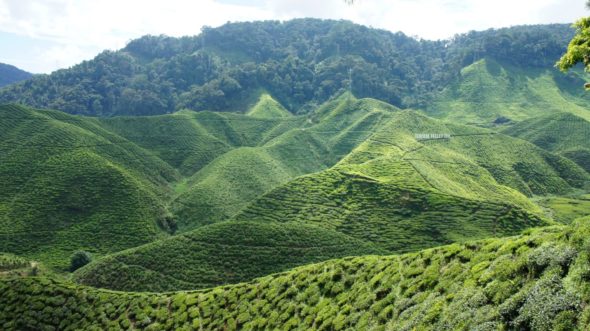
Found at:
<point>44,35</point>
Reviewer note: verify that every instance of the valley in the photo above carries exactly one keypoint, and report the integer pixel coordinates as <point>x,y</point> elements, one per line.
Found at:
<point>348,185</point>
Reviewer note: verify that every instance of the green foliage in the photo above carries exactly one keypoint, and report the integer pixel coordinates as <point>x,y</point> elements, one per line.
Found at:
<point>68,184</point>
<point>567,209</point>
<point>11,261</point>
<point>578,50</point>
<point>224,253</point>
<point>489,92</point>
<point>561,133</point>
<point>79,259</point>
<point>301,63</point>
<point>534,281</point>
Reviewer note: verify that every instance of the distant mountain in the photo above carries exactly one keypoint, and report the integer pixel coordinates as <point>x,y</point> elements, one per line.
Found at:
<point>10,74</point>
<point>301,63</point>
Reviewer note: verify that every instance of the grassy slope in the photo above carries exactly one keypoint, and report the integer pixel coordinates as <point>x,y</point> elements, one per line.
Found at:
<point>536,281</point>
<point>229,183</point>
<point>404,194</point>
<point>511,162</point>
<point>67,184</point>
<point>487,90</point>
<point>562,133</point>
<point>267,107</point>
<point>188,140</point>
<point>567,209</point>
<point>223,253</point>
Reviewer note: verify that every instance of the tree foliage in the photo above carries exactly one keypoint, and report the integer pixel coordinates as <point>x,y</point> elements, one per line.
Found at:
<point>301,63</point>
<point>79,259</point>
<point>578,50</point>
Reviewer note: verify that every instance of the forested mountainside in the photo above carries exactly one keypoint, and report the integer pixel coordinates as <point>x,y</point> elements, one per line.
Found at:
<point>301,63</point>
<point>10,74</point>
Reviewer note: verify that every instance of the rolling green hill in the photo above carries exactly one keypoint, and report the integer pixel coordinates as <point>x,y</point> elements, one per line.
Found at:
<point>561,133</point>
<point>67,184</point>
<point>267,107</point>
<point>218,254</point>
<point>535,281</point>
<point>225,186</point>
<point>489,91</point>
<point>405,194</point>
<point>104,185</point>
<point>188,140</point>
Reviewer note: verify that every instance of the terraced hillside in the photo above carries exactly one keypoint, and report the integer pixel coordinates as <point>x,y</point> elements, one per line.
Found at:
<point>105,185</point>
<point>535,281</point>
<point>225,186</point>
<point>405,194</point>
<point>489,91</point>
<point>218,254</point>
<point>67,184</point>
<point>189,140</point>
<point>561,133</point>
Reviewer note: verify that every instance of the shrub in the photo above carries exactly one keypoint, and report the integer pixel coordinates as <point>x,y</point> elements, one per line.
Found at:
<point>79,259</point>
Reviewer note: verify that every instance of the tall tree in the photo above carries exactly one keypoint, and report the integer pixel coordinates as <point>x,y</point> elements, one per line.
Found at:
<point>578,49</point>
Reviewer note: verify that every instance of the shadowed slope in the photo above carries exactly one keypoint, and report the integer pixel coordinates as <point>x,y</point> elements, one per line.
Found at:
<point>564,134</point>
<point>224,253</point>
<point>67,184</point>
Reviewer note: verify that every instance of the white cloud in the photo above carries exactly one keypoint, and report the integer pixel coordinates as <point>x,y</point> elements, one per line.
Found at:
<point>80,29</point>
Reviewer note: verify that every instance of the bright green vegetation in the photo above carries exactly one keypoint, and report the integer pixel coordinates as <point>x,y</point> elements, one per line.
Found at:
<point>67,184</point>
<point>489,91</point>
<point>403,194</point>
<point>267,107</point>
<point>11,261</point>
<point>188,140</point>
<point>302,63</point>
<point>104,185</point>
<point>11,74</point>
<point>578,50</point>
<point>535,281</point>
<point>567,209</point>
<point>561,133</point>
<point>229,183</point>
<point>227,252</point>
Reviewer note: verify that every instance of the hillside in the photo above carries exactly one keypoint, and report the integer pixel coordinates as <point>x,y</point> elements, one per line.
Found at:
<point>302,63</point>
<point>403,194</point>
<point>535,281</point>
<point>218,254</point>
<point>229,183</point>
<point>489,92</point>
<point>10,74</point>
<point>67,184</point>
<point>561,133</point>
<point>105,185</point>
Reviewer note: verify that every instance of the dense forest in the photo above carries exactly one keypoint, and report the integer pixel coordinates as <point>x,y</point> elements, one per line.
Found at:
<point>11,74</point>
<point>302,63</point>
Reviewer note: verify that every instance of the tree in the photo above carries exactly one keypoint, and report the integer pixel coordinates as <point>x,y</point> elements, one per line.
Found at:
<point>79,259</point>
<point>578,50</point>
